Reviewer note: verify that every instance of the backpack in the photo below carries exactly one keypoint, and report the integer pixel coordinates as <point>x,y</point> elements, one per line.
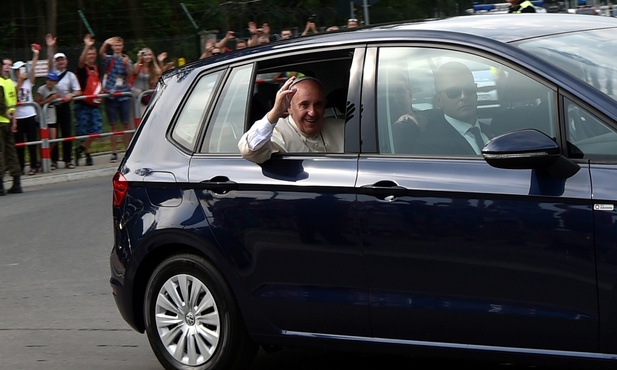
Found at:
<point>93,87</point>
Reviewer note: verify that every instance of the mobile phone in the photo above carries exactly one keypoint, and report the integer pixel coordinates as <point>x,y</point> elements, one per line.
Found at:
<point>22,70</point>
<point>36,46</point>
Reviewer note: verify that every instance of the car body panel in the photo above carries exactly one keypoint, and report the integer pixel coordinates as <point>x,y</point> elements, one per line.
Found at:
<point>275,228</point>
<point>465,253</point>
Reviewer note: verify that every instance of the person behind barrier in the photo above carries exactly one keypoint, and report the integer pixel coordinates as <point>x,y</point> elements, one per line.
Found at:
<point>68,88</point>
<point>45,94</point>
<point>27,122</point>
<point>87,112</point>
<point>146,72</point>
<point>521,6</point>
<point>294,124</point>
<point>118,69</point>
<point>8,125</point>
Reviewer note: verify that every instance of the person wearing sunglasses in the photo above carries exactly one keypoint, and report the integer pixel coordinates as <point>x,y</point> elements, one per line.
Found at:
<point>457,130</point>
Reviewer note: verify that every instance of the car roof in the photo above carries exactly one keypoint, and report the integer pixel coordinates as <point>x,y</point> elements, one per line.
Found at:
<point>511,27</point>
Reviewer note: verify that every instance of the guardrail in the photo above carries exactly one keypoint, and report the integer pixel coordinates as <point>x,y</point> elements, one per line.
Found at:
<point>45,141</point>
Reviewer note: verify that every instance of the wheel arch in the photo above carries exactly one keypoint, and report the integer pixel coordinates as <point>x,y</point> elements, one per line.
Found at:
<point>167,243</point>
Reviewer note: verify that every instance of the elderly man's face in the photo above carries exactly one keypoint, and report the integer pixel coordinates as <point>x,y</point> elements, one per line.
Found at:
<point>308,106</point>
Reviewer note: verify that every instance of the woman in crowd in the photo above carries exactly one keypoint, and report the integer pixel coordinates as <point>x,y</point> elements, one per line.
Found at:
<point>146,72</point>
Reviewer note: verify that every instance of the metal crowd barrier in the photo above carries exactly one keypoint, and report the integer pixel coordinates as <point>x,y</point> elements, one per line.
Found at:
<point>45,141</point>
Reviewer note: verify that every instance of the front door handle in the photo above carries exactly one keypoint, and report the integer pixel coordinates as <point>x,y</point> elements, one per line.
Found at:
<point>384,190</point>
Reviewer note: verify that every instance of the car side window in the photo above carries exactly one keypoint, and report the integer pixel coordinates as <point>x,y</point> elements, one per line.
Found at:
<point>429,99</point>
<point>189,120</point>
<point>588,136</point>
<point>331,67</point>
<point>227,123</point>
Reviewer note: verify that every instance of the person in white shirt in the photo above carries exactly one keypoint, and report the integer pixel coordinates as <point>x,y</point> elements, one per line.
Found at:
<point>68,88</point>
<point>295,124</point>
<point>27,123</point>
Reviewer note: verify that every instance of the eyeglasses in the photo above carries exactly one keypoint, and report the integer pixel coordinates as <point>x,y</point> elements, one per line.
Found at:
<point>456,92</point>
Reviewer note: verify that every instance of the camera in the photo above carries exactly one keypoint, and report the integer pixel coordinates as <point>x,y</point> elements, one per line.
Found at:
<point>312,18</point>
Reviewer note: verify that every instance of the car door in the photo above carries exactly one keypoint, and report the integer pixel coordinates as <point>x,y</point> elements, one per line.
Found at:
<point>592,137</point>
<point>287,225</point>
<point>461,254</point>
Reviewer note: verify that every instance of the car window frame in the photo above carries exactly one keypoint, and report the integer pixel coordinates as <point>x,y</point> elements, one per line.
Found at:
<point>370,87</point>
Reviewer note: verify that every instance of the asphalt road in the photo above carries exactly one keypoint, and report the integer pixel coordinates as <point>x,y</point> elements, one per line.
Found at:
<point>57,311</point>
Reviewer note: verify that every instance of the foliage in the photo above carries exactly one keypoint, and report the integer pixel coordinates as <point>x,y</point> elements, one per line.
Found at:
<point>169,26</point>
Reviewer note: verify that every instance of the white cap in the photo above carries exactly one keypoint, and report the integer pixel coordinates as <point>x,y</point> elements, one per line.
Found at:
<point>59,55</point>
<point>18,65</point>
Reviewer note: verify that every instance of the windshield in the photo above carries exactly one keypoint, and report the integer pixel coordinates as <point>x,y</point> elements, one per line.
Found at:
<point>588,55</point>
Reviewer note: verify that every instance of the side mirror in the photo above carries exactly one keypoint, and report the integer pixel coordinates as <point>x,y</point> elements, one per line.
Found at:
<point>528,149</point>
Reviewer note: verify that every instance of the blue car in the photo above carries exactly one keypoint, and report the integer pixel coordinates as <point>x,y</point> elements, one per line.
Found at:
<point>415,237</point>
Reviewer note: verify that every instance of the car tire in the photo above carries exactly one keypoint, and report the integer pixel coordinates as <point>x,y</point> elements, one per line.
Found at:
<point>192,320</point>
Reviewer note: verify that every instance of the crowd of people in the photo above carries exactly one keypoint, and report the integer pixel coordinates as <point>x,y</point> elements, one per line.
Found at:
<point>119,78</point>
<point>263,35</point>
<point>18,113</point>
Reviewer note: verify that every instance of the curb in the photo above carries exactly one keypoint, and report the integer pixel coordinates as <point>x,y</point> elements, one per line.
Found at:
<point>28,181</point>
<point>102,167</point>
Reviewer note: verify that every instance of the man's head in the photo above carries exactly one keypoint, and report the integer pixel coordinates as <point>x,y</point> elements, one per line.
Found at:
<point>400,94</point>
<point>240,44</point>
<point>117,45</point>
<point>352,23</point>
<point>308,105</point>
<point>6,66</point>
<point>60,61</point>
<point>456,91</point>
<point>286,34</point>
<point>91,56</point>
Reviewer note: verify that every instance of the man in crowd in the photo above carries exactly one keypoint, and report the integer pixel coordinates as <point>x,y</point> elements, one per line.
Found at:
<point>118,70</point>
<point>68,88</point>
<point>8,125</point>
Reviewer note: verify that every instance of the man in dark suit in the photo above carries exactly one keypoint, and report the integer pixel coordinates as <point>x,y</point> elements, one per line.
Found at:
<point>455,129</point>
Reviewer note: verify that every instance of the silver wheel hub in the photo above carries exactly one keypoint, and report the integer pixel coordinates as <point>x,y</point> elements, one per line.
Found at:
<point>187,320</point>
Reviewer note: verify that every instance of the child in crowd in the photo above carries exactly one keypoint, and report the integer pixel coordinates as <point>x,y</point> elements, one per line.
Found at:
<point>45,94</point>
